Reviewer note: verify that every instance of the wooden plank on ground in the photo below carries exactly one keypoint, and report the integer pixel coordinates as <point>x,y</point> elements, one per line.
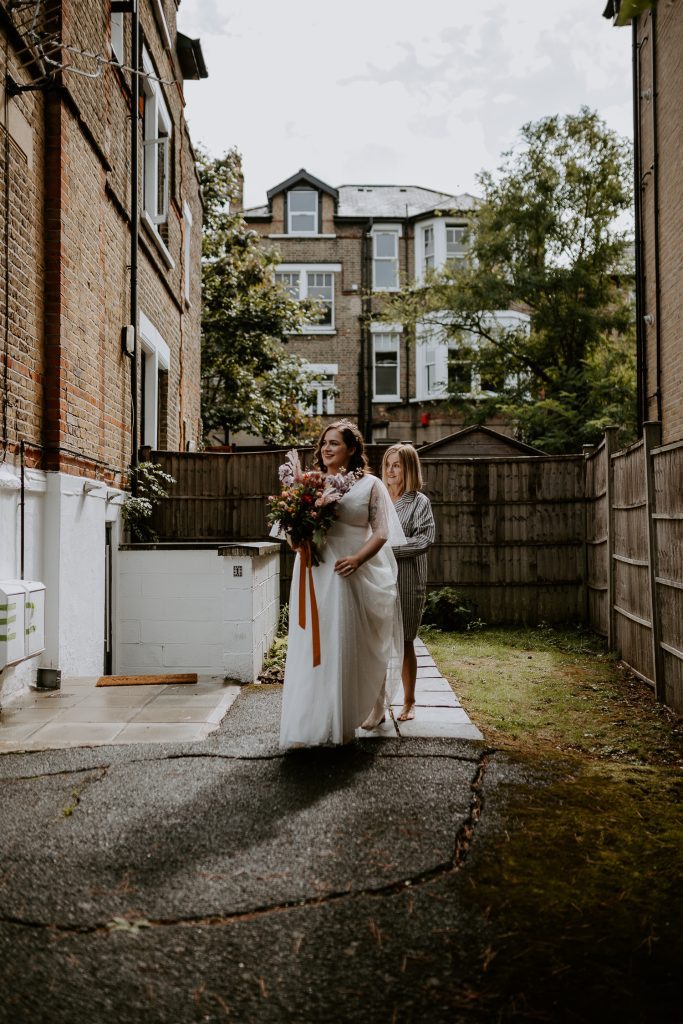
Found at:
<point>187,677</point>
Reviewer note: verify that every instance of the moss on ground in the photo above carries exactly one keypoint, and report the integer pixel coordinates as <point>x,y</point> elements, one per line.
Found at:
<point>580,861</point>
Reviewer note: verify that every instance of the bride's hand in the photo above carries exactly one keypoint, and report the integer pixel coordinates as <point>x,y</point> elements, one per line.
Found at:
<point>347,566</point>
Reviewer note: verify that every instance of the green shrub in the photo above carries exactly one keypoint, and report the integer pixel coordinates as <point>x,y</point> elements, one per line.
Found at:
<point>448,609</point>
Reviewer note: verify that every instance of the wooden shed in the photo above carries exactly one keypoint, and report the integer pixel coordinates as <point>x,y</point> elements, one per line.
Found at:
<point>476,442</point>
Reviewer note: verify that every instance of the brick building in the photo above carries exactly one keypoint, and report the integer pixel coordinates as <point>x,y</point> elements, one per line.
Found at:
<point>348,247</point>
<point>73,275</point>
<point>658,145</point>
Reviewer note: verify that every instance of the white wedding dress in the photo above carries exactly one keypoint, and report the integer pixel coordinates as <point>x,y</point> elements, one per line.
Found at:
<point>361,635</point>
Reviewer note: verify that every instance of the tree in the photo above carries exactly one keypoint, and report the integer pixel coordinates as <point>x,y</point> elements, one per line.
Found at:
<point>249,381</point>
<point>546,241</point>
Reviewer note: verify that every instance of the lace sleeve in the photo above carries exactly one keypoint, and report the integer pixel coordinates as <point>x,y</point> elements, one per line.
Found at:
<point>382,515</point>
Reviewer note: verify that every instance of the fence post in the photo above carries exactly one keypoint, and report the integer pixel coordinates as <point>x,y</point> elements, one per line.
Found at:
<point>587,451</point>
<point>652,438</point>
<point>610,447</point>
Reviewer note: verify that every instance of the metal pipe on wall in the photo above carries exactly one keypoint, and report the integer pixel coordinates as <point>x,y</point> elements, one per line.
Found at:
<point>134,221</point>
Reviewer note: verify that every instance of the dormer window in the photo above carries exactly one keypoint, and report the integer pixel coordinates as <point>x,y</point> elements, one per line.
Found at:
<point>302,212</point>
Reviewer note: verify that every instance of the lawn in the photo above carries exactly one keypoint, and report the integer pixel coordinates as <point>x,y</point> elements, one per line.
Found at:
<point>580,873</point>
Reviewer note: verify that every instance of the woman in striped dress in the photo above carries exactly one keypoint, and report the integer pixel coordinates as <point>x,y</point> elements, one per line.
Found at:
<point>402,475</point>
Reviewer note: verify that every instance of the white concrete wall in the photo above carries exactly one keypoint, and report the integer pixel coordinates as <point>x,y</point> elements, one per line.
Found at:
<point>210,610</point>
<point>64,547</point>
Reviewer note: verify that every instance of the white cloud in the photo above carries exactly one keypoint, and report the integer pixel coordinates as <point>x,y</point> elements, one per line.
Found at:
<point>377,92</point>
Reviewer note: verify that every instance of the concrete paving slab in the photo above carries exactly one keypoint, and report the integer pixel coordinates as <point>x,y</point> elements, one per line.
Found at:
<point>457,730</point>
<point>155,712</point>
<point>387,730</point>
<point>10,734</point>
<point>68,734</point>
<point>436,699</point>
<point>159,732</point>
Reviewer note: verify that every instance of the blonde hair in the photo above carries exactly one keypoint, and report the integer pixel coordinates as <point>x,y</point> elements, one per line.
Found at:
<point>410,464</point>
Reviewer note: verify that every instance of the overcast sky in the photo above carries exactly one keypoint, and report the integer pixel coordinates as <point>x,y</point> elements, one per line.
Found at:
<point>395,92</point>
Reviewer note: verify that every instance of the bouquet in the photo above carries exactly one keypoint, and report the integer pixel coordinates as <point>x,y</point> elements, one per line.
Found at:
<point>305,510</point>
<point>307,505</point>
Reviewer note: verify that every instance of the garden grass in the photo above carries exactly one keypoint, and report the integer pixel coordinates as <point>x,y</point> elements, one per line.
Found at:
<point>579,865</point>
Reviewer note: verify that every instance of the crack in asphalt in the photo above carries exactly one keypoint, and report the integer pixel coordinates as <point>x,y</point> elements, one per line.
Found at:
<point>417,755</point>
<point>463,842</point>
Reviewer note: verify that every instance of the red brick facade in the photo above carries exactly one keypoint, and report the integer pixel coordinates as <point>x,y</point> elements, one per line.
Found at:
<point>347,221</point>
<point>66,207</point>
<point>658,69</point>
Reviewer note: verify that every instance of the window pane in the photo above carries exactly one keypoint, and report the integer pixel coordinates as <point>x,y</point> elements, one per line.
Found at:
<point>455,246</point>
<point>290,283</point>
<point>386,274</point>
<point>459,376</point>
<point>320,287</point>
<point>386,244</point>
<point>386,380</point>
<point>302,222</point>
<point>492,381</point>
<point>303,201</point>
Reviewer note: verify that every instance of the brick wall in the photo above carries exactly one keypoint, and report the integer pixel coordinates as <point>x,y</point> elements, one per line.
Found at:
<point>68,382</point>
<point>21,280</point>
<point>354,306</point>
<point>666,34</point>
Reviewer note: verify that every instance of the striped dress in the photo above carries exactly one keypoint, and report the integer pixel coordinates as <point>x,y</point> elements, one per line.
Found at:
<point>415,513</point>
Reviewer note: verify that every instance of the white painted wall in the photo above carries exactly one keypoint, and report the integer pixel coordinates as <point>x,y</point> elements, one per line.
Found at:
<point>64,548</point>
<point>210,610</point>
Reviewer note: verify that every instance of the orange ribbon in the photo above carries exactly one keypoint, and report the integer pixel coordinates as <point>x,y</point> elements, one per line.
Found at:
<point>307,567</point>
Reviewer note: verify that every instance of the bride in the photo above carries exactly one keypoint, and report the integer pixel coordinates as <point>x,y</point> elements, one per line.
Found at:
<point>361,638</point>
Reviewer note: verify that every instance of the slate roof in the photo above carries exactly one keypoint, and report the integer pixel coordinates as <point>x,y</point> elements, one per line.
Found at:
<point>386,202</point>
<point>398,201</point>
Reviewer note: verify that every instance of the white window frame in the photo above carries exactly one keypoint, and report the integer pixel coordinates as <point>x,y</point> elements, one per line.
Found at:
<point>116,37</point>
<point>187,252</point>
<point>395,231</point>
<point>306,213</point>
<point>428,248</point>
<point>157,356</point>
<point>456,256</point>
<point>303,270</point>
<point>381,333</point>
<point>156,147</point>
<point>322,403</point>
<point>430,351</point>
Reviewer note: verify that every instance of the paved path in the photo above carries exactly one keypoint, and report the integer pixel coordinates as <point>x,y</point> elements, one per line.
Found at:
<point>81,714</point>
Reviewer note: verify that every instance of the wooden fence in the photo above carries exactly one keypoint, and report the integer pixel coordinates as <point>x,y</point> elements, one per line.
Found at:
<point>594,538</point>
<point>510,532</point>
<point>634,503</point>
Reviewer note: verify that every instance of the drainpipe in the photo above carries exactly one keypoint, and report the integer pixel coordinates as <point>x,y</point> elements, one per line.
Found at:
<point>641,361</point>
<point>365,355</point>
<point>407,340</point>
<point>655,179</point>
<point>134,223</point>
<point>22,508</point>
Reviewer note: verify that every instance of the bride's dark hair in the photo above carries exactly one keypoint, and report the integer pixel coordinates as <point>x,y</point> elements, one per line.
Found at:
<point>352,439</point>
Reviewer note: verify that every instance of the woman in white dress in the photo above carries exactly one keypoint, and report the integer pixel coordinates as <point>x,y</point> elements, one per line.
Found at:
<point>361,638</point>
